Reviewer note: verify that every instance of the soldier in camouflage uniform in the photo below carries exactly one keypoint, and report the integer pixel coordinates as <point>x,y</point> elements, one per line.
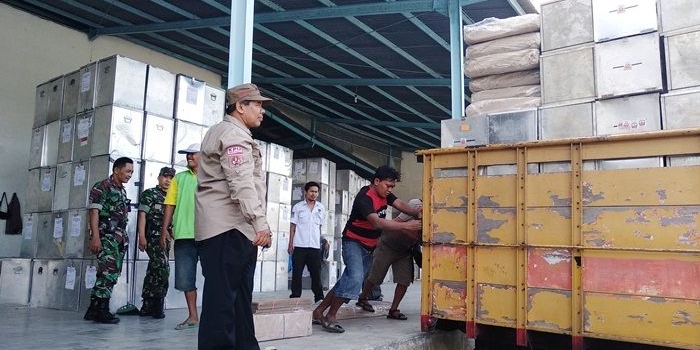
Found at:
<point>108,210</point>
<point>150,220</point>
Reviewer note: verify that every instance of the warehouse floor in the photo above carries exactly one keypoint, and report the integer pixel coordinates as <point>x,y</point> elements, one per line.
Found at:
<point>36,328</point>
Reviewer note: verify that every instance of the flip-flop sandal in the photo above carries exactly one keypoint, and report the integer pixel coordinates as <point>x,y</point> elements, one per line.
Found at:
<point>332,327</point>
<point>186,325</point>
<point>396,315</point>
<point>317,322</point>
<point>365,305</point>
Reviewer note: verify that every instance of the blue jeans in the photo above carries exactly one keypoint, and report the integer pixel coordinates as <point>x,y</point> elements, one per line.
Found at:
<point>357,259</point>
<point>186,257</point>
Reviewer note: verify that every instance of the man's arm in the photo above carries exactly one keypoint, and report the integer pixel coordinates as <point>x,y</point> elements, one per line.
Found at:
<point>165,235</point>
<point>95,242</point>
<point>407,208</point>
<point>141,229</point>
<point>384,224</point>
<point>292,231</point>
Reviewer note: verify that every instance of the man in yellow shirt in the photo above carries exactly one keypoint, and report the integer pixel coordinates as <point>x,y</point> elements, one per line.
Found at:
<point>179,209</point>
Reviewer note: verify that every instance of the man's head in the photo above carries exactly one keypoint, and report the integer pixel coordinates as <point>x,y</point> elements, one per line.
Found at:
<point>165,176</point>
<point>244,102</point>
<point>311,190</point>
<point>384,180</point>
<point>122,170</point>
<point>192,155</point>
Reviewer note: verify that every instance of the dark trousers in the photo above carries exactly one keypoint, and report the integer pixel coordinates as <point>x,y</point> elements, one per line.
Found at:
<point>228,264</point>
<point>311,257</point>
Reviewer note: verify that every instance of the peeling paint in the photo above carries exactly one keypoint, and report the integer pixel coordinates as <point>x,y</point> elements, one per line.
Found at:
<point>662,195</point>
<point>560,202</point>
<point>639,217</point>
<point>486,202</point>
<point>681,318</point>
<point>443,205</point>
<point>588,195</point>
<point>444,237</point>
<point>562,211</point>
<point>546,324</point>
<point>690,238</point>
<point>451,172</point>
<point>557,257</point>
<point>647,236</point>
<point>484,226</point>
<point>639,317</point>
<point>682,216</point>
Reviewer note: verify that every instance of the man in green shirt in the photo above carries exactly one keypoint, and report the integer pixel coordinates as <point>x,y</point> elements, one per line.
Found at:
<point>179,209</point>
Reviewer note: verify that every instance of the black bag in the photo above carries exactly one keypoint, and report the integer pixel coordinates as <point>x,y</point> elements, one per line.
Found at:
<point>13,226</point>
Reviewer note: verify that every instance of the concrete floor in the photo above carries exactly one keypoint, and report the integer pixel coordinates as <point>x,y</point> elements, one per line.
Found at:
<point>36,328</point>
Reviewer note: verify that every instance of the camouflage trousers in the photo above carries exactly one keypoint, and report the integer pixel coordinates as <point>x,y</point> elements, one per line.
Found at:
<point>109,266</point>
<point>155,283</point>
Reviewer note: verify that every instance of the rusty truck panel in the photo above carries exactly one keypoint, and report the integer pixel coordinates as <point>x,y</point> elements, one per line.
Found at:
<point>571,249</point>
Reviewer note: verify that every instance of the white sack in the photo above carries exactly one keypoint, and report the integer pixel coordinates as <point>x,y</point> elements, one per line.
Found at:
<point>494,28</point>
<point>498,81</point>
<point>507,44</point>
<point>500,63</point>
<point>509,92</point>
<point>502,105</point>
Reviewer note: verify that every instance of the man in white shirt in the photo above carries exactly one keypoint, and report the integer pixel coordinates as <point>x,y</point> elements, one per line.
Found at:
<point>305,240</point>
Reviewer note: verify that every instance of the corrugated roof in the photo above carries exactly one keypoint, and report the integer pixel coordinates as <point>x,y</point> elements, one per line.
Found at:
<point>347,64</point>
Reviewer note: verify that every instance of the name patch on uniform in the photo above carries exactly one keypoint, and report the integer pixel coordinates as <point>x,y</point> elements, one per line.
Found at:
<point>235,154</point>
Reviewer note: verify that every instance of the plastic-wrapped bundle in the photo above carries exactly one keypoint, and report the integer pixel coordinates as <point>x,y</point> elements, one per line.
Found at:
<point>508,44</point>
<point>494,28</point>
<point>509,92</point>
<point>501,105</point>
<point>498,81</point>
<point>505,62</point>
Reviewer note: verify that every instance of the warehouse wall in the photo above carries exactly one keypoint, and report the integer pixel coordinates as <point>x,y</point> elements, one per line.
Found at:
<point>411,184</point>
<point>33,51</point>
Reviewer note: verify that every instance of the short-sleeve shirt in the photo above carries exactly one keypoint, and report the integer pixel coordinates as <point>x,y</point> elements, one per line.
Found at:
<point>308,223</point>
<point>109,198</point>
<point>181,194</point>
<point>358,228</point>
<point>231,192</point>
<point>151,203</point>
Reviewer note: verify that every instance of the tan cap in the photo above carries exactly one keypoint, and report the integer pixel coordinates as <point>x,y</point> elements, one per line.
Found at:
<point>244,92</point>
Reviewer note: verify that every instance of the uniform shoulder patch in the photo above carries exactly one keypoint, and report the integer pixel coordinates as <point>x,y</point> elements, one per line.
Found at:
<point>235,155</point>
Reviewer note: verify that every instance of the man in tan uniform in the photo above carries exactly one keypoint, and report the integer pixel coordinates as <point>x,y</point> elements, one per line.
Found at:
<point>230,222</point>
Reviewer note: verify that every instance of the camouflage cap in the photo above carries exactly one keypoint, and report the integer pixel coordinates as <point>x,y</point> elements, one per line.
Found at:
<point>167,171</point>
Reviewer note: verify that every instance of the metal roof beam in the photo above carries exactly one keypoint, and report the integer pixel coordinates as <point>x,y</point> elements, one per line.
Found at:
<point>335,66</point>
<point>378,123</point>
<point>356,82</point>
<point>516,6</point>
<point>282,16</point>
<point>299,131</point>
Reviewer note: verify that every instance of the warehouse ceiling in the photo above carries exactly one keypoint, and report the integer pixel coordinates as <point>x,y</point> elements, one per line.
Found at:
<point>347,75</point>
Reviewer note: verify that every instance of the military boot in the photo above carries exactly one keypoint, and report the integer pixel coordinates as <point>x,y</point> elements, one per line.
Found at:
<point>93,310</point>
<point>158,305</point>
<point>103,314</point>
<point>147,307</point>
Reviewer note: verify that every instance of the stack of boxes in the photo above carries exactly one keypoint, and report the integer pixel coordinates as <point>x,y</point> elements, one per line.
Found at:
<point>679,24</point>
<point>272,270</point>
<point>502,62</point>
<point>606,68</point>
<point>321,171</point>
<point>84,121</point>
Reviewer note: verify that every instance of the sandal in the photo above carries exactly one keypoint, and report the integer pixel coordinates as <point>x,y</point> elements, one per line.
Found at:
<point>186,325</point>
<point>365,305</point>
<point>331,327</point>
<point>396,315</point>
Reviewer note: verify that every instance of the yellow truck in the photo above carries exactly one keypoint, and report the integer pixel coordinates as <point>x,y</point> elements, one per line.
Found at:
<point>539,238</point>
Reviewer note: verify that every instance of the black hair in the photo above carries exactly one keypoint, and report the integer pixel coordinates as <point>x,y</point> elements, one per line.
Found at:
<point>121,162</point>
<point>232,107</point>
<point>311,184</point>
<point>386,172</point>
